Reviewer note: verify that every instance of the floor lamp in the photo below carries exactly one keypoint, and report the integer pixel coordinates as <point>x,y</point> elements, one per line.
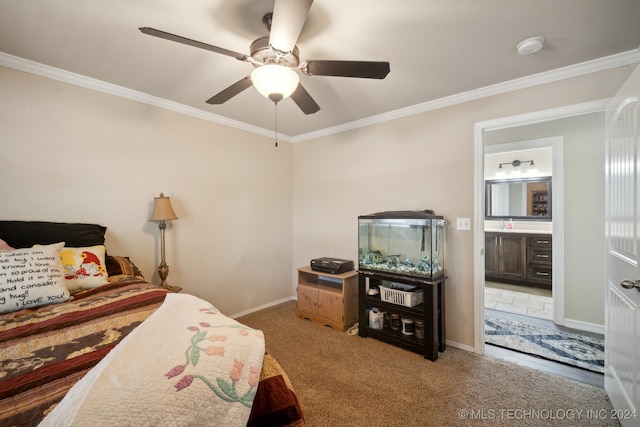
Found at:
<point>162,211</point>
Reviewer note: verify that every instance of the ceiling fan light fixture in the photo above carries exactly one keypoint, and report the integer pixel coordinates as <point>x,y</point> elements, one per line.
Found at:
<point>274,81</point>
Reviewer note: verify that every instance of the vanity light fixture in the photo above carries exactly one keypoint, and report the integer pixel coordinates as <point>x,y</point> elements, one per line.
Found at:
<point>517,163</point>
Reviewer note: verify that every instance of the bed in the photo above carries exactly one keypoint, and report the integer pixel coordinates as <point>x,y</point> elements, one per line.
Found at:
<point>120,350</point>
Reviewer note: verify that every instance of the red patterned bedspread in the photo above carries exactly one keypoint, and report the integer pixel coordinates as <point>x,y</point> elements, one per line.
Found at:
<point>44,351</point>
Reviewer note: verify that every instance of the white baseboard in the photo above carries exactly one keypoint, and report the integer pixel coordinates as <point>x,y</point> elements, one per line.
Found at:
<point>262,307</point>
<point>584,326</point>
<point>460,346</point>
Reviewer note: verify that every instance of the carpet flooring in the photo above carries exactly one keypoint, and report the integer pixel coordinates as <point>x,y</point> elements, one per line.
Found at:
<point>572,349</point>
<point>345,380</point>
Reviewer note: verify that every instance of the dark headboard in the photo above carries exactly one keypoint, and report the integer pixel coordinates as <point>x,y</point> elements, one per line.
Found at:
<point>24,234</point>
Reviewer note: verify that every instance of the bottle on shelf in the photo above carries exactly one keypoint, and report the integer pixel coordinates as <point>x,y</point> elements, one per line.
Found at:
<point>376,318</point>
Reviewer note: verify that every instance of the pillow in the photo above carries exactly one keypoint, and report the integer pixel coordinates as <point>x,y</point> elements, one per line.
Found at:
<point>119,267</point>
<point>4,246</point>
<point>84,268</point>
<point>25,234</point>
<point>31,277</point>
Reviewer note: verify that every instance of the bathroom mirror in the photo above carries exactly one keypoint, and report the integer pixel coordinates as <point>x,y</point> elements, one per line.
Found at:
<point>519,199</point>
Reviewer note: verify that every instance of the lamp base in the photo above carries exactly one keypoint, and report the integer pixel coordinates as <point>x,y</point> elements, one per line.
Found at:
<point>174,289</point>
<point>163,272</point>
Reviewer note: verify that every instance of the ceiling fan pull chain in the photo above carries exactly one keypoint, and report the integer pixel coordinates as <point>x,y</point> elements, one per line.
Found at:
<point>276,104</point>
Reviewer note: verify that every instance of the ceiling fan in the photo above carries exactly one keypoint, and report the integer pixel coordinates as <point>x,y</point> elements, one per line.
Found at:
<point>278,54</point>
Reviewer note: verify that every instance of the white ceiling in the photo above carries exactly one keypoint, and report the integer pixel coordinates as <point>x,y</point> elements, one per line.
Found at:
<point>436,48</point>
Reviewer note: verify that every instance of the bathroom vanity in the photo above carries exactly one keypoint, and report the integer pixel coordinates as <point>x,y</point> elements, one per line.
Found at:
<point>520,254</point>
<point>519,257</point>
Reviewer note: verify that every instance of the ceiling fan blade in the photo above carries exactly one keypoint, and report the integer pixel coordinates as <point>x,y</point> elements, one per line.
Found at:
<point>231,91</point>
<point>288,18</point>
<point>194,43</point>
<point>303,100</point>
<point>363,69</point>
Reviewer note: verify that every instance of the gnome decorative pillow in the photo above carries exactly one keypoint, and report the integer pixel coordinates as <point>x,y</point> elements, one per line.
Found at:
<point>84,268</point>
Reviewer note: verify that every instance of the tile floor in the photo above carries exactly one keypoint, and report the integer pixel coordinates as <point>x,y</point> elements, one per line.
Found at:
<point>533,302</point>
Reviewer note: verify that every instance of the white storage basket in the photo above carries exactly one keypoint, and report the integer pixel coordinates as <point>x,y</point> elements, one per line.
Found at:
<point>395,296</point>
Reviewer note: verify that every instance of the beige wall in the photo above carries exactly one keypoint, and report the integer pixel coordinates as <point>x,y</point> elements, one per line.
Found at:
<point>417,162</point>
<point>73,154</point>
<point>584,137</point>
<point>249,213</point>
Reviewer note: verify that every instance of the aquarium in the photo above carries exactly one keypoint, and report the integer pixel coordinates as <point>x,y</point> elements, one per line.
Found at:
<point>408,243</point>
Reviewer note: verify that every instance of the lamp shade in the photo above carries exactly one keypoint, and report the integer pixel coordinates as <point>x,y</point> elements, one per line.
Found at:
<point>274,81</point>
<point>162,210</point>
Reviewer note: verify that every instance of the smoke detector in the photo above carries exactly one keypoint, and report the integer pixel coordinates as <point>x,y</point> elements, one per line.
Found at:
<point>530,45</point>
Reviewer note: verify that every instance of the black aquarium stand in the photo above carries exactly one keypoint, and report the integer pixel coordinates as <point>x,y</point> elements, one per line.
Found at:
<point>431,312</point>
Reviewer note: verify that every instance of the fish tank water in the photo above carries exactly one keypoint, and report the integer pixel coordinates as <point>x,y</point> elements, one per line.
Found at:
<point>408,243</point>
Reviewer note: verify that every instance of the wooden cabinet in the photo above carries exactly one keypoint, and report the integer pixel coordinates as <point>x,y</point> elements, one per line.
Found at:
<point>518,258</point>
<point>505,256</point>
<point>539,260</point>
<point>430,312</point>
<point>491,255</point>
<point>330,299</point>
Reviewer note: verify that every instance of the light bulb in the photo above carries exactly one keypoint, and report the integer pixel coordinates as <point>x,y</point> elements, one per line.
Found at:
<point>274,81</point>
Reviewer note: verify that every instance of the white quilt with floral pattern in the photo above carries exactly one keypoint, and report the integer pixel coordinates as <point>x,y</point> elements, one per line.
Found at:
<point>187,364</point>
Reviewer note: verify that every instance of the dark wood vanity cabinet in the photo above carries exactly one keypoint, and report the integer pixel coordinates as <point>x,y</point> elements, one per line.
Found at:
<point>519,258</point>
<point>491,255</point>
<point>505,256</point>
<point>539,260</point>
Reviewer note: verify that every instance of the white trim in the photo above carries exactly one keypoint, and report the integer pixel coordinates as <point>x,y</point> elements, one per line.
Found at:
<point>557,189</point>
<point>263,306</point>
<point>584,326</point>
<point>458,345</point>
<point>545,115</point>
<point>601,64</point>
<point>613,61</point>
<point>558,227</point>
<point>478,237</point>
<point>133,95</point>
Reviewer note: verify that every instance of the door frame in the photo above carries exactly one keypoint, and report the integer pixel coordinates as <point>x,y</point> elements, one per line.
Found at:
<point>478,217</point>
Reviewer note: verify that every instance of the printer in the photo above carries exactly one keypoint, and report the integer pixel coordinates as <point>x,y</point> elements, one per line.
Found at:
<point>331,265</point>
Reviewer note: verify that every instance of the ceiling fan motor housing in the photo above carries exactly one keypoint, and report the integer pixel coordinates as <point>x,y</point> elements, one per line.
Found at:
<point>261,51</point>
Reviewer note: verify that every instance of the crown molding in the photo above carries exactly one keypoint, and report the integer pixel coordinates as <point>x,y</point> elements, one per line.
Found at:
<point>594,66</point>
<point>53,73</point>
<point>613,61</point>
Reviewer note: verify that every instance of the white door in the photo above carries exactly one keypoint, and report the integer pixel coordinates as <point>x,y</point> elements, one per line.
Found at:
<point>622,300</point>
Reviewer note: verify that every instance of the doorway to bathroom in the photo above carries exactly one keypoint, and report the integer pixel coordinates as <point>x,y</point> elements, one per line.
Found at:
<point>581,144</point>
<point>518,226</point>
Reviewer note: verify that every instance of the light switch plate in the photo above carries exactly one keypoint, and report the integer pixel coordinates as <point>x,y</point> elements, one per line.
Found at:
<point>463,223</point>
